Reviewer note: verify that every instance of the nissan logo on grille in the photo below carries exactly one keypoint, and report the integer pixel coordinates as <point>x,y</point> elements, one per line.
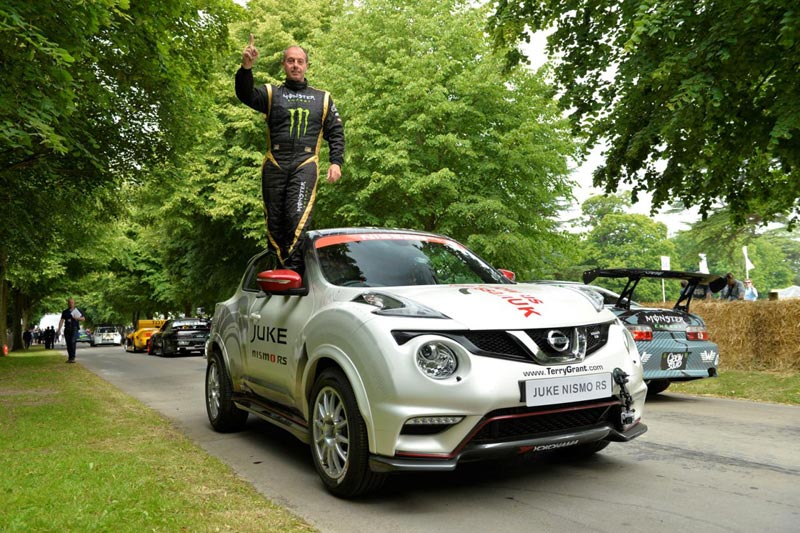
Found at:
<point>558,340</point>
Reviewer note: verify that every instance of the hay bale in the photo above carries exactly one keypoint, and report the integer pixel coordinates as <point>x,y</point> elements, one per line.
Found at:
<point>762,335</point>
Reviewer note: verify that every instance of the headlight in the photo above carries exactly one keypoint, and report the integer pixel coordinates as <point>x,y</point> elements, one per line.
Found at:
<point>437,360</point>
<point>593,296</point>
<point>396,306</point>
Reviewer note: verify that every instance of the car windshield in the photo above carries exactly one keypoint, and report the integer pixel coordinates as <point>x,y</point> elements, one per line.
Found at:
<point>378,260</point>
<point>106,330</point>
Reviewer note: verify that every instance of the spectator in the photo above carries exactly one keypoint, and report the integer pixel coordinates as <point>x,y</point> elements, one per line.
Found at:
<point>49,337</point>
<point>70,319</point>
<point>27,338</point>
<point>734,290</point>
<point>750,292</point>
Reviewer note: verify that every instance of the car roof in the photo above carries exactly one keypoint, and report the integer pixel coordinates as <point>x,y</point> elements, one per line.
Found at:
<point>315,234</point>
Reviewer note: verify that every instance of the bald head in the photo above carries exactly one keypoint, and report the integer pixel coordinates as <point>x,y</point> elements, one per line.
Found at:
<point>295,63</point>
<point>295,48</point>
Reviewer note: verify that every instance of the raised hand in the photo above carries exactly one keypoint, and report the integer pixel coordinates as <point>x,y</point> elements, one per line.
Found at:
<point>249,54</point>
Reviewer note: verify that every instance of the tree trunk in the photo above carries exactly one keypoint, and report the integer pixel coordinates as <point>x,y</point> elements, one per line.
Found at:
<point>3,300</point>
<point>16,319</point>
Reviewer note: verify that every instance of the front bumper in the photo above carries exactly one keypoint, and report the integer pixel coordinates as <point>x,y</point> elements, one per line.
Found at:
<point>475,451</point>
<point>99,342</point>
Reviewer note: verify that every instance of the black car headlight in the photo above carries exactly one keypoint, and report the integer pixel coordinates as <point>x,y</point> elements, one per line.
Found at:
<point>392,305</point>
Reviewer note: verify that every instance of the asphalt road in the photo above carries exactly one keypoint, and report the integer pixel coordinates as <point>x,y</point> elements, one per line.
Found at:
<point>705,465</point>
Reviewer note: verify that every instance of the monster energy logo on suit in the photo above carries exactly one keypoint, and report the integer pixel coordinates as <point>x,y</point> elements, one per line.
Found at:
<point>298,119</point>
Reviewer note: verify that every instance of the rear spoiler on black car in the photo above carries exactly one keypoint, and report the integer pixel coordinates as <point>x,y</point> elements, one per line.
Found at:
<point>715,283</point>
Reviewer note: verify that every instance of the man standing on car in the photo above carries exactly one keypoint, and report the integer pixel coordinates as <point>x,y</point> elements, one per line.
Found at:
<point>70,318</point>
<point>298,118</point>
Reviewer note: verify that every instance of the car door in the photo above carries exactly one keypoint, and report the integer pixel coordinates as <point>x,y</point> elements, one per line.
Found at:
<point>248,312</point>
<point>274,343</point>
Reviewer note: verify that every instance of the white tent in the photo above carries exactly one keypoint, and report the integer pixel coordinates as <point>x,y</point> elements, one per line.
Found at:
<point>788,292</point>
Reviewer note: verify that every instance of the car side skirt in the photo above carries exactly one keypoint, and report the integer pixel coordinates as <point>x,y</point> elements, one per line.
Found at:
<point>274,414</point>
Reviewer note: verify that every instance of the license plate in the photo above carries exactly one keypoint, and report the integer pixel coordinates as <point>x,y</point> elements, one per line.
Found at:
<point>674,360</point>
<point>567,389</point>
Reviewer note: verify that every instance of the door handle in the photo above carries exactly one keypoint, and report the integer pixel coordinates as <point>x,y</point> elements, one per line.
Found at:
<point>255,316</point>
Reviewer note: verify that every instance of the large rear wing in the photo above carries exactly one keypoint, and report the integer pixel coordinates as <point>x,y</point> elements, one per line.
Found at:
<point>634,275</point>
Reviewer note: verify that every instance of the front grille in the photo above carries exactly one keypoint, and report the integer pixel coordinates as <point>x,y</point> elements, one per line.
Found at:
<point>497,342</point>
<point>596,337</point>
<point>518,424</point>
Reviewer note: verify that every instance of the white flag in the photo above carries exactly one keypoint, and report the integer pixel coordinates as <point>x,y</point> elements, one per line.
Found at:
<point>703,264</point>
<point>747,264</point>
<point>664,262</point>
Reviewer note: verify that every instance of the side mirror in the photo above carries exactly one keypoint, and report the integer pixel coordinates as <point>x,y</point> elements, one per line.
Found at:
<point>508,273</point>
<point>279,281</point>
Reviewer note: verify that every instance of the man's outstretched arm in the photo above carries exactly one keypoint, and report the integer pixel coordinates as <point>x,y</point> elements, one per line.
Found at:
<point>245,90</point>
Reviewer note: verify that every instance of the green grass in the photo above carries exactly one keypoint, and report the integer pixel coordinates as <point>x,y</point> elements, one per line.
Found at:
<point>758,386</point>
<point>76,454</point>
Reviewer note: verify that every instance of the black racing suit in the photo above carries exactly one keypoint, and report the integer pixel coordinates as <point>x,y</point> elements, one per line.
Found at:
<point>298,118</point>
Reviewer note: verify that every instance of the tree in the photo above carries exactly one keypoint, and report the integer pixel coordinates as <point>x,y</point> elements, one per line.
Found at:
<point>621,240</point>
<point>454,151</point>
<point>697,100</point>
<point>439,137</point>
<point>94,93</point>
<point>774,253</point>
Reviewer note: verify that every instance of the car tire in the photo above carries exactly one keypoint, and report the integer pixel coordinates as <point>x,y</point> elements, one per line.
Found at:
<point>656,386</point>
<point>163,351</point>
<point>223,414</point>
<point>339,443</point>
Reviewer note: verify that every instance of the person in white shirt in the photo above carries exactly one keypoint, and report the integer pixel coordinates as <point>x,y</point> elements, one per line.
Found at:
<point>750,292</point>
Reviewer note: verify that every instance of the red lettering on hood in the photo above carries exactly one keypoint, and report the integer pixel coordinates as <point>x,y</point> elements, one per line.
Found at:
<point>519,300</point>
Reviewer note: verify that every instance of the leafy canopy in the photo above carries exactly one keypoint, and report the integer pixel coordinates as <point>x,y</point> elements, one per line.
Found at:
<point>696,100</point>
<point>439,137</point>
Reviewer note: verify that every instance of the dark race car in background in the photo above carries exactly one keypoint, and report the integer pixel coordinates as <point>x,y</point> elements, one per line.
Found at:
<point>673,343</point>
<point>180,336</point>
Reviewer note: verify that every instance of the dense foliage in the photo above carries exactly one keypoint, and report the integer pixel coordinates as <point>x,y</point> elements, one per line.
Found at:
<point>93,94</point>
<point>440,138</point>
<point>696,100</point>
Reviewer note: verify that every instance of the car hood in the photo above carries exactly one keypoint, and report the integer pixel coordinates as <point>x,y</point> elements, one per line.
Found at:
<point>518,306</point>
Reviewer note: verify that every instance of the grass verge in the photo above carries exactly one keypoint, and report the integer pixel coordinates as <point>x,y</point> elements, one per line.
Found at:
<point>738,384</point>
<point>76,454</point>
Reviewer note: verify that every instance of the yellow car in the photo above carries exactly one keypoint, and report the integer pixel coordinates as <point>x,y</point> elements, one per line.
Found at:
<point>137,341</point>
